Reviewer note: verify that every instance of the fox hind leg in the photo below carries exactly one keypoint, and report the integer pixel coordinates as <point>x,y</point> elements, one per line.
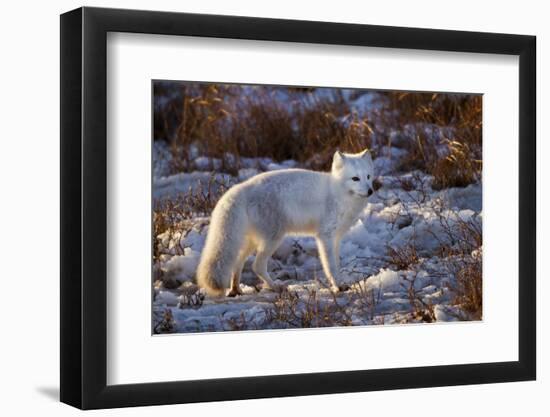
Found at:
<point>265,250</point>
<point>236,278</point>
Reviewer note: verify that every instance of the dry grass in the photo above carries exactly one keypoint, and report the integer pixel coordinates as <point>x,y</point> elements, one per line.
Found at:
<point>366,299</point>
<point>459,247</point>
<point>463,261</point>
<point>402,258</point>
<point>163,322</point>
<point>459,169</point>
<point>190,297</point>
<point>451,149</point>
<point>468,290</point>
<point>248,121</point>
<point>289,309</point>
<point>442,134</point>
<point>292,309</point>
<point>459,268</point>
<point>172,216</point>
<point>230,122</point>
<point>421,310</point>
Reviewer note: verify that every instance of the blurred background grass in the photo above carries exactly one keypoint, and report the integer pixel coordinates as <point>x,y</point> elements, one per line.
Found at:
<point>441,133</point>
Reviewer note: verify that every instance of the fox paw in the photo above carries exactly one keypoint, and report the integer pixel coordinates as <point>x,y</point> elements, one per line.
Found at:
<point>339,288</point>
<point>234,292</point>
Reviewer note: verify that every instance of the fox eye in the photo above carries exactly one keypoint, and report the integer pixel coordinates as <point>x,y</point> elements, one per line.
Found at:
<point>368,177</point>
<point>355,178</point>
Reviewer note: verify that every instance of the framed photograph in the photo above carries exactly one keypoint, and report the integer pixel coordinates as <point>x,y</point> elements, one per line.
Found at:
<point>261,208</point>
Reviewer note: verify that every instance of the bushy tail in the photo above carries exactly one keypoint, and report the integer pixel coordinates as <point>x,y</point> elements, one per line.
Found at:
<point>224,240</point>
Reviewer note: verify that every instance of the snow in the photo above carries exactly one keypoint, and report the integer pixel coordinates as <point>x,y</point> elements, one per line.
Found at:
<point>246,173</point>
<point>386,280</point>
<point>393,217</point>
<point>406,212</point>
<point>166,298</point>
<point>182,267</point>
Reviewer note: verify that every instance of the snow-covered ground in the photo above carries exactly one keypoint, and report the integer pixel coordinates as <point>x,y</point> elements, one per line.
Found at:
<point>400,259</point>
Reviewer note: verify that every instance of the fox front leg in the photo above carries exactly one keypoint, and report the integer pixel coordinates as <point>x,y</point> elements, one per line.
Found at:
<point>328,253</point>
<point>336,243</point>
<point>336,246</point>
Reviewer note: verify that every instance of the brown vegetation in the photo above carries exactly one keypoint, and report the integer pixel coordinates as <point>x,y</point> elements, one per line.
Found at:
<point>441,132</point>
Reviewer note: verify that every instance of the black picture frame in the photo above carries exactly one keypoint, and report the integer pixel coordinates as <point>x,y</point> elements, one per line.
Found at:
<point>84,207</point>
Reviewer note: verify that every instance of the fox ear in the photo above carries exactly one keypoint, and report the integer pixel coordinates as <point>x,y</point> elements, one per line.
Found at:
<point>338,160</point>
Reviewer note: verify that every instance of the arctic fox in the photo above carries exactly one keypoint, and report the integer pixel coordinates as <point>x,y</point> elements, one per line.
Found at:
<point>258,213</point>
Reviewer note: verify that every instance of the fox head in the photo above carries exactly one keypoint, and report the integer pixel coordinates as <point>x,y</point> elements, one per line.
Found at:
<point>355,172</point>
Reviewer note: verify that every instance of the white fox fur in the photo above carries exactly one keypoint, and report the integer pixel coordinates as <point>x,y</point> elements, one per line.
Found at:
<point>257,214</point>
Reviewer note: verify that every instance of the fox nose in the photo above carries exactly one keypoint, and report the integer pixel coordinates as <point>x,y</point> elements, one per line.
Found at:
<point>369,193</point>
